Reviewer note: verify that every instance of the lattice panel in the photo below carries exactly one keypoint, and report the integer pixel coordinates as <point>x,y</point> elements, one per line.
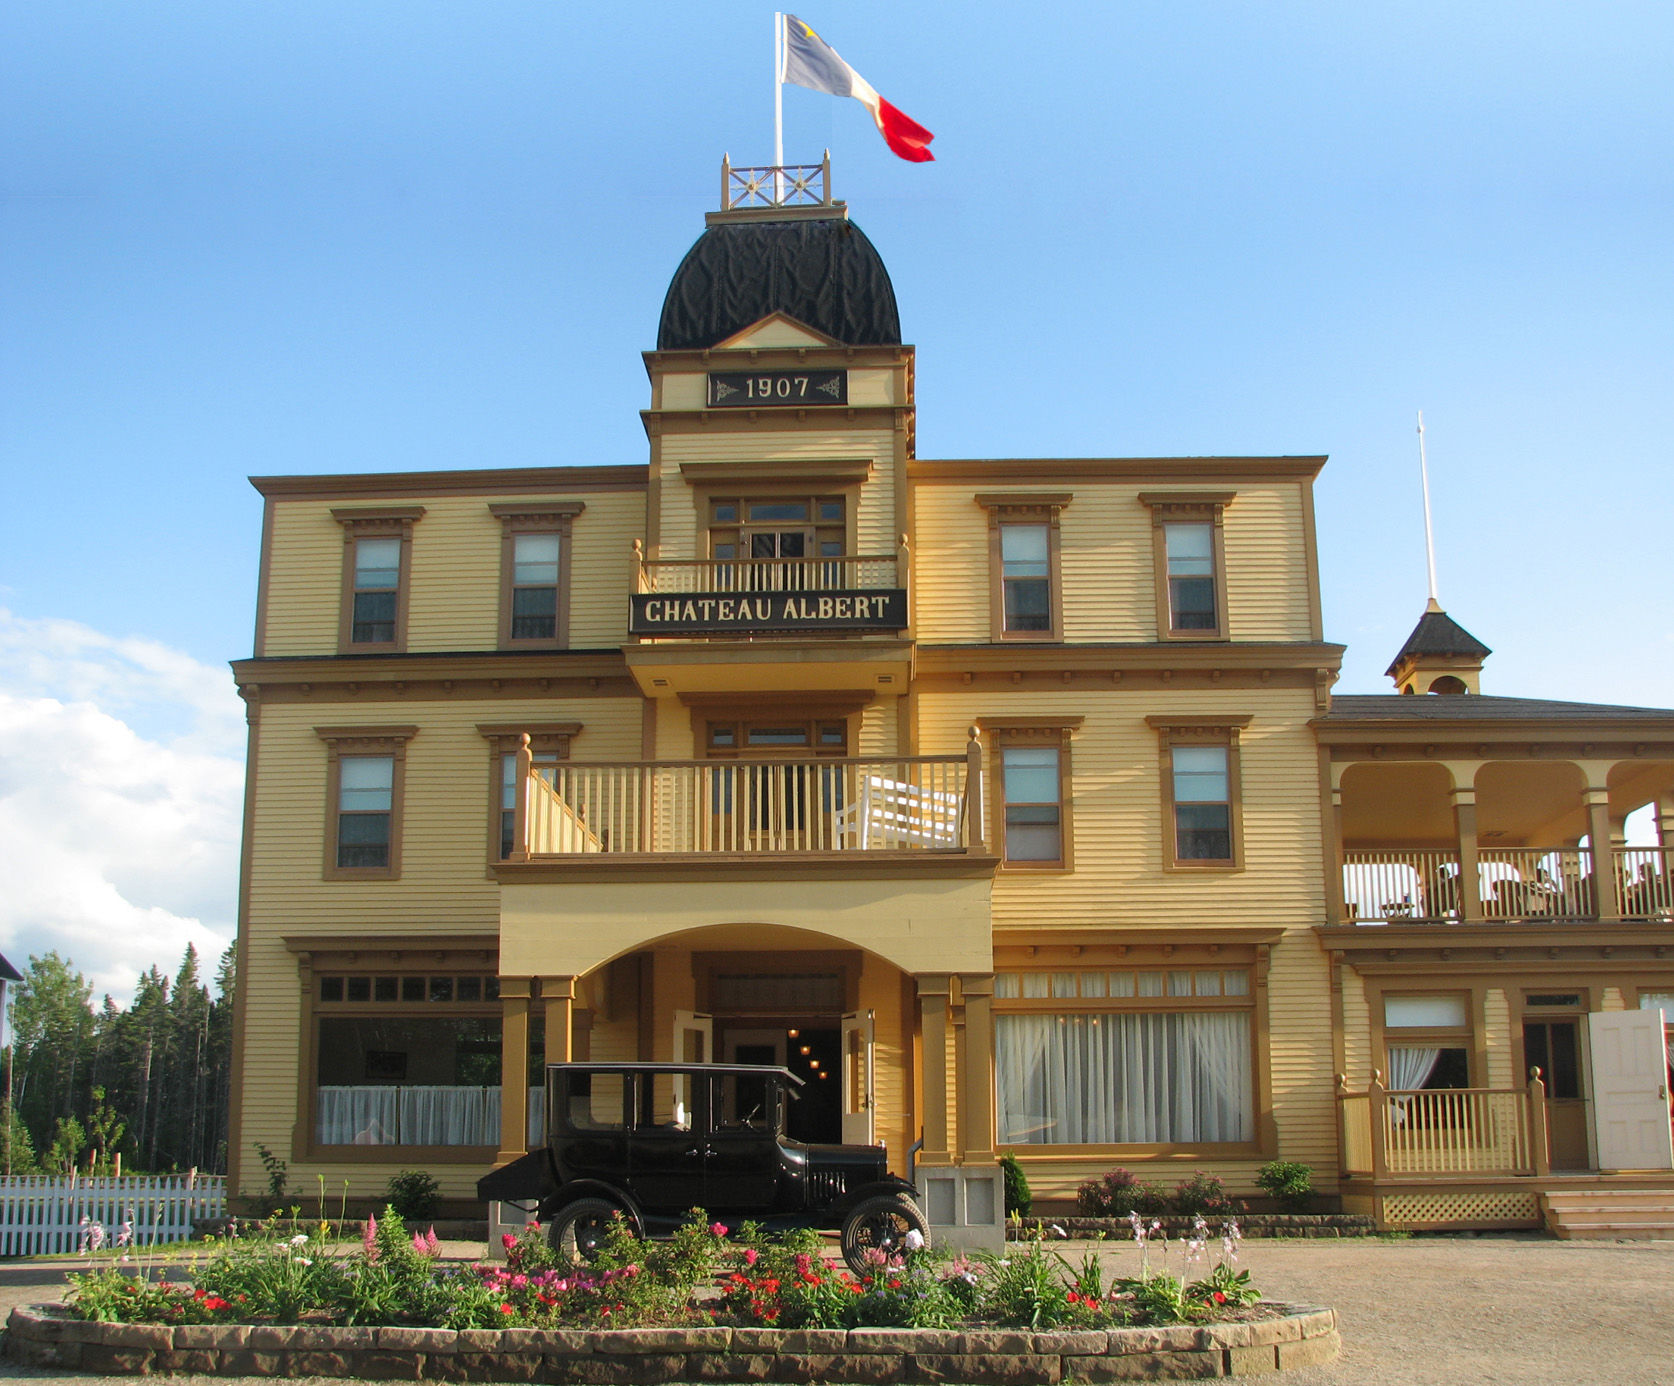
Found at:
<point>1485,1205</point>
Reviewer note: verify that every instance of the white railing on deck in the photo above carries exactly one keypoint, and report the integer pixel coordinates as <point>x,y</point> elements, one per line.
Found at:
<point>838,573</point>
<point>1647,882</point>
<point>1395,884</point>
<point>781,806</point>
<point>53,1215</point>
<point>1533,882</point>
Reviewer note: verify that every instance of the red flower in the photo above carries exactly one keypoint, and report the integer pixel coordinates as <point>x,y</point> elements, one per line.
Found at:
<point>507,1309</point>
<point>1219,1297</point>
<point>1073,1298</point>
<point>895,1284</point>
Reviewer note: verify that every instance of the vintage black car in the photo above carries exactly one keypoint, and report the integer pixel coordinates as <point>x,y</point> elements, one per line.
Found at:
<point>654,1141</point>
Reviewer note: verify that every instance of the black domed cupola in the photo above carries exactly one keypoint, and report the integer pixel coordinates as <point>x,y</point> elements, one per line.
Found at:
<point>810,264</point>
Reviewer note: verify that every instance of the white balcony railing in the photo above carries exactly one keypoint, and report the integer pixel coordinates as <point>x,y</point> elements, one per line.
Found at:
<point>837,573</point>
<point>1443,1132</point>
<point>1513,884</point>
<point>892,804</point>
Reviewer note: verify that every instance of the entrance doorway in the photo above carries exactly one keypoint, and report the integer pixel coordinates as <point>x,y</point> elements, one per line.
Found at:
<point>1554,1047</point>
<point>809,1048</point>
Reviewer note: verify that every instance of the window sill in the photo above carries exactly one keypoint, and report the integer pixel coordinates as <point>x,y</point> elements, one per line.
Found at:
<point>361,873</point>
<point>482,1155</point>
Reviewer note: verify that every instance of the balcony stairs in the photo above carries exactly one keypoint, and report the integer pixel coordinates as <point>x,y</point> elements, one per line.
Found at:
<point>1614,1209</point>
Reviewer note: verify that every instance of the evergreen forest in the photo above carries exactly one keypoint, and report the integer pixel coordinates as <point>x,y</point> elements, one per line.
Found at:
<point>88,1083</point>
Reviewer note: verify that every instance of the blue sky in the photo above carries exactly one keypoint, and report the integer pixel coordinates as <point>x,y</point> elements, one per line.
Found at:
<point>297,237</point>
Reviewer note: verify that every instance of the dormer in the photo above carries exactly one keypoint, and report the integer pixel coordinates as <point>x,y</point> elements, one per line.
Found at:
<point>1440,656</point>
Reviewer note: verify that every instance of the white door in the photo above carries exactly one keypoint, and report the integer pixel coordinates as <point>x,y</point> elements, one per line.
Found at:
<point>1630,1090</point>
<point>858,1125</point>
<point>694,1038</point>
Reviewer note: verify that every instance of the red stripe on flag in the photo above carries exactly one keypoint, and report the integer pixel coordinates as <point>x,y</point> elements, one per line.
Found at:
<point>904,135</point>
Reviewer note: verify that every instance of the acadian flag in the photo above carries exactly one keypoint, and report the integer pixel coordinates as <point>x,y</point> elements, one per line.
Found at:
<point>811,62</point>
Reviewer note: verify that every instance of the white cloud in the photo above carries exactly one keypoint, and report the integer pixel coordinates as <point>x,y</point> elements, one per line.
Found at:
<point>121,779</point>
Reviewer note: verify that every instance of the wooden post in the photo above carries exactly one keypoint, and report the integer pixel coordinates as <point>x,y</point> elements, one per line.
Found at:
<point>1342,1126</point>
<point>932,1000</point>
<point>976,818</point>
<point>1606,899</point>
<point>559,995</point>
<point>1540,1152</point>
<point>976,1081</point>
<point>514,1068</point>
<point>1470,887</point>
<point>1377,1107</point>
<point>520,799</point>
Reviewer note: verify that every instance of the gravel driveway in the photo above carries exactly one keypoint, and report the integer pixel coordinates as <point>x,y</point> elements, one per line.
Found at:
<point>1432,1311</point>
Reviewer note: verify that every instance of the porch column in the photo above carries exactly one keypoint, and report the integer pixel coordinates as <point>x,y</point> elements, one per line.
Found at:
<point>1663,810</point>
<point>1607,900</point>
<point>1336,905</point>
<point>976,812</point>
<point>514,1068</point>
<point>558,994</point>
<point>933,1008</point>
<point>976,1079</point>
<point>1464,822</point>
<point>932,1003</point>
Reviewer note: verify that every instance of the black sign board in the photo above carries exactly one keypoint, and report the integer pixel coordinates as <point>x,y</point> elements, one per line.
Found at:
<point>755,613</point>
<point>770,389</point>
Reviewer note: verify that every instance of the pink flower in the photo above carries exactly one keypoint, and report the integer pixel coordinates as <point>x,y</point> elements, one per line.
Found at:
<point>369,1238</point>
<point>418,1243</point>
<point>750,1256</point>
<point>717,1229</point>
<point>507,1240</point>
<point>432,1243</point>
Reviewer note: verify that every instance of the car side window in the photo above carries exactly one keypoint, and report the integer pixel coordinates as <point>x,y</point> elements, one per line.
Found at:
<point>665,1102</point>
<point>596,1102</point>
<point>745,1102</point>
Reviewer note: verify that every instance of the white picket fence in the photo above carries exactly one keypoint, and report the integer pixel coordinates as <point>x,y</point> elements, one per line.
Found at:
<point>45,1214</point>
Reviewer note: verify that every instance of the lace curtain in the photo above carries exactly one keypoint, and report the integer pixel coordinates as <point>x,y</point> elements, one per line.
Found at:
<point>1410,1066</point>
<point>1115,1079</point>
<point>388,1114</point>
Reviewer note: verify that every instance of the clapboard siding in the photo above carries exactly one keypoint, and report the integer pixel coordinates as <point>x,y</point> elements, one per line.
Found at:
<point>1108,564</point>
<point>1117,810</point>
<point>454,592</point>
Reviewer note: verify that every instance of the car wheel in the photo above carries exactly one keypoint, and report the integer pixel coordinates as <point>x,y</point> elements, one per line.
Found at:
<point>577,1231</point>
<point>881,1224</point>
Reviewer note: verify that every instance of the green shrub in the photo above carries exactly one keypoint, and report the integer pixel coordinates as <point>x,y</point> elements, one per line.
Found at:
<point>1290,1182</point>
<point>1203,1195</point>
<point>1018,1198</point>
<point>414,1194</point>
<point>1119,1193</point>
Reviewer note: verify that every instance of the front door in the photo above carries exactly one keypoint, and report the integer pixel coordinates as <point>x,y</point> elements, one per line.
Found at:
<point>858,1105</point>
<point>1630,1090</point>
<point>1554,1047</point>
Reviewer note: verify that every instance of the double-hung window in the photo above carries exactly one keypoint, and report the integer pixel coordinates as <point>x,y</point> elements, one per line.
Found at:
<point>535,553</point>
<point>1025,581</point>
<point>1200,773</point>
<point>377,563</point>
<point>1189,550</point>
<point>1032,820</point>
<point>365,773</point>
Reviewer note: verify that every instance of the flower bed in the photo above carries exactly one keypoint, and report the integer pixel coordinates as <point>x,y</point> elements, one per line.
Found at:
<point>688,1308</point>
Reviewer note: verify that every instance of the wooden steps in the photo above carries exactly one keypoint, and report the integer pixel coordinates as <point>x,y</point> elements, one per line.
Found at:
<point>1614,1212</point>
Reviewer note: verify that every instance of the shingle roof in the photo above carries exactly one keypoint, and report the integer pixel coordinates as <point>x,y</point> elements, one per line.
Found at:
<point>1437,633</point>
<point>1471,707</point>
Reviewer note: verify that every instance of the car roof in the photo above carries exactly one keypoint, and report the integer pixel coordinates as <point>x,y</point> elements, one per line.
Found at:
<point>756,1070</point>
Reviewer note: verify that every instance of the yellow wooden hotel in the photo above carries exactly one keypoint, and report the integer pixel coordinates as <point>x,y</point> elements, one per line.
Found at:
<point>1005,800</point>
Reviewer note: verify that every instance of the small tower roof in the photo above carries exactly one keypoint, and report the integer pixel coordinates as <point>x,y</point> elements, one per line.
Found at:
<point>1437,633</point>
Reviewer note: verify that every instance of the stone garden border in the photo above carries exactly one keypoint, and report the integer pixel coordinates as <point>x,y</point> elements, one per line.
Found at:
<point>46,1336</point>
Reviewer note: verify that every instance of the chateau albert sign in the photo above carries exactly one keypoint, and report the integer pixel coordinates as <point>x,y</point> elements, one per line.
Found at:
<point>759,613</point>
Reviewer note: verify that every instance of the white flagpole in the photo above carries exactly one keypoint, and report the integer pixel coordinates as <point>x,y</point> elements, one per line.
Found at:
<point>1429,533</point>
<point>778,106</point>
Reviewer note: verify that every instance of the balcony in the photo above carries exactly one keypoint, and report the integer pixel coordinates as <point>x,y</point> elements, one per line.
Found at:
<point>895,808</point>
<point>1443,1133</point>
<point>1517,885</point>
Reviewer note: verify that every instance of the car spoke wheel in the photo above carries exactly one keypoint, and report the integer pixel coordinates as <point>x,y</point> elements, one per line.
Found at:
<point>881,1224</point>
<point>578,1230</point>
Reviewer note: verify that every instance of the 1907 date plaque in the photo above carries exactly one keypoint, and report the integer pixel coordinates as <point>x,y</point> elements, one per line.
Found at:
<point>767,389</point>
